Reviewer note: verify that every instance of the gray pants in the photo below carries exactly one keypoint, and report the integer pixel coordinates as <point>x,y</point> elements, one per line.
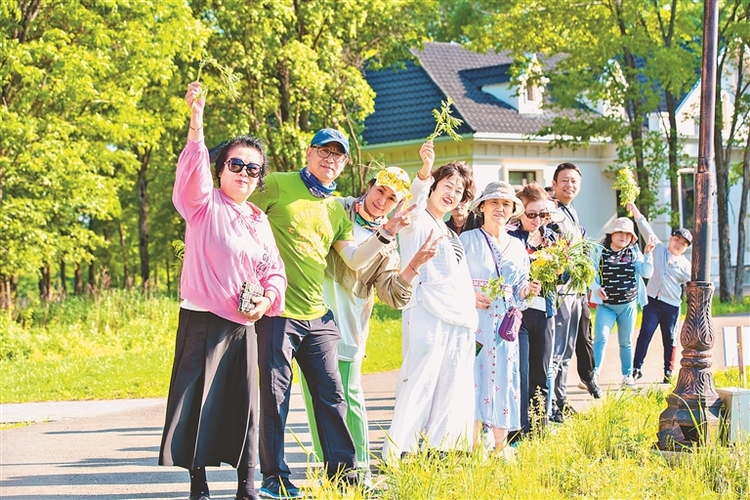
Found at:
<point>566,332</point>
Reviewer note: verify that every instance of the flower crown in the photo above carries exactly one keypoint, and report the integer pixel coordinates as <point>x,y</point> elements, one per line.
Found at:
<point>389,179</point>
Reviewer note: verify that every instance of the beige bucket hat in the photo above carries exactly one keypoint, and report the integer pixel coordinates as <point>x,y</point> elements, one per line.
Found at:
<point>623,225</point>
<point>499,190</point>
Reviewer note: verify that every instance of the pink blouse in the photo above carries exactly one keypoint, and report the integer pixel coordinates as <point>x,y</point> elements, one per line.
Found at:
<point>226,243</point>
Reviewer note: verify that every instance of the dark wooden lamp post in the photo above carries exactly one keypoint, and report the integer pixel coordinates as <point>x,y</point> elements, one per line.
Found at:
<point>691,417</point>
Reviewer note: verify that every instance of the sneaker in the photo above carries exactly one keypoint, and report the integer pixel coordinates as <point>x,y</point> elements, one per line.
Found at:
<point>278,487</point>
<point>667,377</point>
<point>637,373</point>
<point>593,388</point>
<point>628,382</point>
<point>557,417</point>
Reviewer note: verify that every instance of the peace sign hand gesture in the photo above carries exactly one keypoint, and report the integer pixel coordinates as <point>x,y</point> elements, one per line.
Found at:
<point>650,245</point>
<point>427,251</point>
<point>401,218</point>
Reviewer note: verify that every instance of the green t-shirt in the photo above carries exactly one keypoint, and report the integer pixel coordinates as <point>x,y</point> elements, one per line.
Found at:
<point>305,228</point>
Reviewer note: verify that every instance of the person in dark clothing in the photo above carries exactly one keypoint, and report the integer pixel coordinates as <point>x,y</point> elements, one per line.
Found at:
<point>462,219</point>
<point>536,336</point>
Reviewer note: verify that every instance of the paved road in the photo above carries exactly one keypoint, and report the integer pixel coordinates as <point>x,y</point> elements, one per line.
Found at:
<point>108,449</point>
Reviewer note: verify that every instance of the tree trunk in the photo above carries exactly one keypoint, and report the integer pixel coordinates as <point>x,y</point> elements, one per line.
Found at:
<point>674,167</point>
<point>63,283</point>
<point>6,296</point>
<point>722,200</point>
<point>78,280</point>
<point>143,217</point>
<point>739,274</point>
<point>45,282</point>
<point>169,279</point>
<point>92,276</point>
<point>125,270</point>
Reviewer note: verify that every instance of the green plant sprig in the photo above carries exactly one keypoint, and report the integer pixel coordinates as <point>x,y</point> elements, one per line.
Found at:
<point>445,122</point>
<point>229,79</point>
<point>494,288</point>
<point>626,183</point>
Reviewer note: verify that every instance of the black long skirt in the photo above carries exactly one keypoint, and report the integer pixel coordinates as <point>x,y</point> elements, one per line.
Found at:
<point>212,408</point>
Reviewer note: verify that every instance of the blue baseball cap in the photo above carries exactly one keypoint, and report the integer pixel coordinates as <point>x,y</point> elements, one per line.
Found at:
<point>327,135</point>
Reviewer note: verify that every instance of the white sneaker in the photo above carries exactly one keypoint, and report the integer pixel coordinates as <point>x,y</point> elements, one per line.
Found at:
<point>628,382</point>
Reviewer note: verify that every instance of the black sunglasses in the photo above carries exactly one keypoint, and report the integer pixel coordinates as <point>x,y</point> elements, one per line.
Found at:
<point>532,215</point>
<point>236,165</point>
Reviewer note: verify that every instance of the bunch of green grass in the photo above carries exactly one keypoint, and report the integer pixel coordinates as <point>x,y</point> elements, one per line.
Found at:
<point>117,345</point>
<point>606,452</point>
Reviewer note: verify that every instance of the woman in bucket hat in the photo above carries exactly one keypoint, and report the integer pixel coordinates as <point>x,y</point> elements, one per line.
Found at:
<point>494,254</point>
<point>351,296</point>
<point>618,290</point>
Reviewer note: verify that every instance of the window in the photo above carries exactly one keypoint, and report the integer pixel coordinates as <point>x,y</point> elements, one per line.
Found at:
<point>687,198</point>
<point>519,178</point>
<point>531,92</point>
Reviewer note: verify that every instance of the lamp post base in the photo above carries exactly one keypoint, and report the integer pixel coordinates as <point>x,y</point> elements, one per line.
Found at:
<point>692,414</point>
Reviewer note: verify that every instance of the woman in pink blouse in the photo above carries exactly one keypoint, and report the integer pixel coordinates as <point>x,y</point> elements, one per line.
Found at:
<point>212,409</point>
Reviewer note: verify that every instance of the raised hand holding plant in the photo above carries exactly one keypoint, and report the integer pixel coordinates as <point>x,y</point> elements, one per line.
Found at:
<point>445,122</point>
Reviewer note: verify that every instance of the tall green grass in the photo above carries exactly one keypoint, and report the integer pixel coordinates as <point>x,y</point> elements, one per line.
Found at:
<point>118,345</point>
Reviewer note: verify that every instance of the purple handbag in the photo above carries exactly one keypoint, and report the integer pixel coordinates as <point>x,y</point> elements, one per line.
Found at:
<point>511,323</point>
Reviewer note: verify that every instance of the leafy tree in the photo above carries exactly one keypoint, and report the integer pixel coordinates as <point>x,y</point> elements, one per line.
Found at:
<point>86,102</point>
<point>729,134</point>
<point>612,64</point>
<point>51,174</point>
<point>301,66</point>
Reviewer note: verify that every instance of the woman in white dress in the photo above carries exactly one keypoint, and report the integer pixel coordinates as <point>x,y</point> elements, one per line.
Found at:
<point>435,391</point>
<point>491,253</point>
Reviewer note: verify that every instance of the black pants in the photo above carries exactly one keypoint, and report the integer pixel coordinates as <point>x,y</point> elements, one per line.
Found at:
<point>314,344</point>
<point>584,344</point>
<point>536,339</point>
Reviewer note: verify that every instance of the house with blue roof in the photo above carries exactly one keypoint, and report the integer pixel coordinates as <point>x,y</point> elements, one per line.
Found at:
<point>499,123</point>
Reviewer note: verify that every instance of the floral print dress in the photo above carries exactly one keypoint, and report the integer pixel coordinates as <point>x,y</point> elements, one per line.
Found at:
<point>496,365</point>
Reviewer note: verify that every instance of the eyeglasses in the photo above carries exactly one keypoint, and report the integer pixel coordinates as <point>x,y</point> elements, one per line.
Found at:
<point>337,156</point>
<point>236,165</point>
<point>534,215</point>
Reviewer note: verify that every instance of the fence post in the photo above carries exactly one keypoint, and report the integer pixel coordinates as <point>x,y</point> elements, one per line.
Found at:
<point>741,357</point>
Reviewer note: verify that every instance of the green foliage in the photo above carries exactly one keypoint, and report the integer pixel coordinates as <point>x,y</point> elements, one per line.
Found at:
<point>445,123</point>
<point>626,183</point>
<point>494,288</point>
<point>607,66</point>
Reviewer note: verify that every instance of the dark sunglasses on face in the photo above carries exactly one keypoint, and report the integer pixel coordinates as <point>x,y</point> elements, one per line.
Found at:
<point>336,155</point>
<point>533,215</point>
<point>236,165</point>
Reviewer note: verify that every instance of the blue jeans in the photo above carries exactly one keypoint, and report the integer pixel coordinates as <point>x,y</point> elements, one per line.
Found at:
<point>606,317</point>
<point>657,313</point>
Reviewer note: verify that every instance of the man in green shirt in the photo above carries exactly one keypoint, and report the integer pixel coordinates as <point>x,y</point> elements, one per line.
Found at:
<point>307,221</point>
